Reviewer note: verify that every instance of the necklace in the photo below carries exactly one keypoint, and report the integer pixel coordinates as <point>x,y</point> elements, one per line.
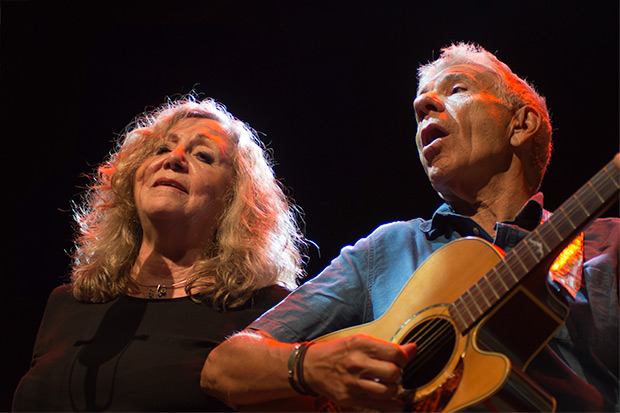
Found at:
<point>160,290</point>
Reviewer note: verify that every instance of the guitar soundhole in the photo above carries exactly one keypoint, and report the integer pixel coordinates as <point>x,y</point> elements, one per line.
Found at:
<point>436,339</point>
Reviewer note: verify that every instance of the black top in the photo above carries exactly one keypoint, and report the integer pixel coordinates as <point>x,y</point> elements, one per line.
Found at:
<point>129,354</point>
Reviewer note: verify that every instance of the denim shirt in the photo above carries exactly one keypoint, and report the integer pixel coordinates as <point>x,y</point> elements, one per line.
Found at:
<point>364,280</point>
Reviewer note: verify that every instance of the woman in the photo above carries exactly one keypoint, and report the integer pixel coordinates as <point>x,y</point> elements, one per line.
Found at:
<point>183,238</point>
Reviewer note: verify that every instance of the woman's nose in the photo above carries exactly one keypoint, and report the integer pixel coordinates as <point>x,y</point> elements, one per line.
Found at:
<point>176,158</point>
<point>426,103</point>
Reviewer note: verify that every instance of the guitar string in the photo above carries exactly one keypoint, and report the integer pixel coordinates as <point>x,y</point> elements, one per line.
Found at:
<point>424,340</point>
<point>424,355</point>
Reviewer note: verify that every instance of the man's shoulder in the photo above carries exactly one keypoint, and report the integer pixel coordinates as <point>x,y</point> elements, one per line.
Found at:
<point>610,223</point>
<point>394,233</point>
<point>603,234</point>
<point>398,228</point>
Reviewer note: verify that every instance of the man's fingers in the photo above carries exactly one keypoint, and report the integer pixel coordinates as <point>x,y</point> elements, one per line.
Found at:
<point>385,350</point>
<point>410,349</point>
<point>381,371</point>
<point>376,389</point>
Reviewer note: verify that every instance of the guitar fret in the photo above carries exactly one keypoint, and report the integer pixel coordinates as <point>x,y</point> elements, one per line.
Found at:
<point>491,287</point>
<point>525,252</point>
<point>581,205</point>
<point>484,296</point>
<point>537,254</point>
<point>467,309</point>
<point>577,214</point>
<point>610,181</point>
<point>613,177</point>
<point>570,221</point>
<point>596,192</point>
<point>458,316</point>
<point>498,276</point>
<point>508,267</point>
<point>542,241</point>
<point>550,225</point>
<point>459,311</point>
<point>518,258</point>
<point>472,299</point>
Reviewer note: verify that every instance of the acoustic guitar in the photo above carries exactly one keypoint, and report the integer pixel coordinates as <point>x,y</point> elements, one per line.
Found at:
<point>479,316</point>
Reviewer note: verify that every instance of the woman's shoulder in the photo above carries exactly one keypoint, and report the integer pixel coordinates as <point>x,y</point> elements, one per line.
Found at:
<point>269,296</point>
<point>61,294</point>
<point>272,291</point>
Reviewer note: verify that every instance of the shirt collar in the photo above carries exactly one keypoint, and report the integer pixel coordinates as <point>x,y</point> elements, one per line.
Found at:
<point>445,220</point>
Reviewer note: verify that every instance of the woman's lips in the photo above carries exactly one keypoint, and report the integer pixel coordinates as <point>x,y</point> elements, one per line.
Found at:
<point>170,183</point>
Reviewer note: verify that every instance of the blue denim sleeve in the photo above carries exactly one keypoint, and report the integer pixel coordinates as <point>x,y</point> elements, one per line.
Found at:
<point>356,288</point>
<point>333,300</point>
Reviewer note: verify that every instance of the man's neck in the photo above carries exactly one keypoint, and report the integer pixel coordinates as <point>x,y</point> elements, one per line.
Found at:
<point>488,210</point>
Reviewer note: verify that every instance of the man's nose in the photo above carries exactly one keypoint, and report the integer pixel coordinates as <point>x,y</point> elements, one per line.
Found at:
<point>427,103</point>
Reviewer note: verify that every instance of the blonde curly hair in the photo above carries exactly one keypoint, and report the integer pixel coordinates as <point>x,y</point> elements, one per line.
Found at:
<point>258,241</point>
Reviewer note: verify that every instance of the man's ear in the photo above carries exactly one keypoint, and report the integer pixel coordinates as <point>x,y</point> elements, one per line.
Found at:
<point>526,123</point>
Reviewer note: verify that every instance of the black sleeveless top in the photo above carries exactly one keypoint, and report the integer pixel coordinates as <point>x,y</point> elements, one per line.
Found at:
<point>129,354</point>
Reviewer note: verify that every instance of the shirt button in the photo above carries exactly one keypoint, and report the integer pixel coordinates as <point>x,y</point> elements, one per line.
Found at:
<point>476,231</point>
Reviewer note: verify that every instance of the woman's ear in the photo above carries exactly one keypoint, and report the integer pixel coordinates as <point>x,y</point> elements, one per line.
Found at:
<point>526,123</point>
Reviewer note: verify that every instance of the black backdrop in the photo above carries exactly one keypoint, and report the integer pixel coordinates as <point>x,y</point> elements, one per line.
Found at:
<point>329,85</point>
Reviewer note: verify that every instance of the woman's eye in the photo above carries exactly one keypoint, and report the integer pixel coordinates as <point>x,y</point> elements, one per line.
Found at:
<point>205,157</point>
<point>161,150</point>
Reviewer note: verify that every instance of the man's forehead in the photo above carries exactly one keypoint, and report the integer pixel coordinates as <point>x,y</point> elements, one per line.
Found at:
<point>472,71</point>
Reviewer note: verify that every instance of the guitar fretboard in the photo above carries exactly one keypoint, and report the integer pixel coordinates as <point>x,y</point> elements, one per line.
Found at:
<point>545,242</point>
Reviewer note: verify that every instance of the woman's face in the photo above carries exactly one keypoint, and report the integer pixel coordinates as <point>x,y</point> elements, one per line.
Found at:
<point>184,183</point>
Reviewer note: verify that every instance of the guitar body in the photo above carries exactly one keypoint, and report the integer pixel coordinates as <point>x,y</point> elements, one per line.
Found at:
<point>455,372</point>
<point>451,371</point>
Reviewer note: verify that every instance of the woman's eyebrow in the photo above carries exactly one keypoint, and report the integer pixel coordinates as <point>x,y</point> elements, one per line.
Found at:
<point>218,140</point>
<point>171,137</point>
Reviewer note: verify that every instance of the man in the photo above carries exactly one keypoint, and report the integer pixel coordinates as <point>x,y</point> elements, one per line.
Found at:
<point>484,139</point>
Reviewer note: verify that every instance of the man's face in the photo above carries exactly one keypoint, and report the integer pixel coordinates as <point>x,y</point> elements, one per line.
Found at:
<point>463,129</point>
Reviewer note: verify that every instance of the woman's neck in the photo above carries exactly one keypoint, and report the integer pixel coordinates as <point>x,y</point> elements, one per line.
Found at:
<point>160,275</point>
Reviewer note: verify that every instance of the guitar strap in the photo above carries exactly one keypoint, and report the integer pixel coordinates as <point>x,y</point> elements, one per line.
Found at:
<point>567,269</point>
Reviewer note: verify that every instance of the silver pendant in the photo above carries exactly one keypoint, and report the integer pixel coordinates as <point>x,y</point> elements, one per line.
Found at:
<point>161,291</point>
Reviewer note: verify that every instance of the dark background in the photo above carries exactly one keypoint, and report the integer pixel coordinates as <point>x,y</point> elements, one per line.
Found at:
<point>329,84</point>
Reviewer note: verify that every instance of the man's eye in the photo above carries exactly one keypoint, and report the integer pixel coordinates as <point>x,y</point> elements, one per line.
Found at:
<point>458,89</point>
<point>205,157</point>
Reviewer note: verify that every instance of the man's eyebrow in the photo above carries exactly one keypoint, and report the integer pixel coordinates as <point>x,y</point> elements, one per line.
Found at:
<point>453,77</point>
<point>448,78</point>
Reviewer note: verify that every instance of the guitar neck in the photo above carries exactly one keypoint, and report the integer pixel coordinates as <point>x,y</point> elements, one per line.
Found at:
<point>542,244</point>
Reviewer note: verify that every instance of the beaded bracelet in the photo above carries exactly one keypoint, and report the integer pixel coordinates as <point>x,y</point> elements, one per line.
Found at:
<point>295,368</point>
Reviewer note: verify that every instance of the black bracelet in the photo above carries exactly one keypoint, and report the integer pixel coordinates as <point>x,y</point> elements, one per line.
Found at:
<point>299,364</point>
<point>291,369</point>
